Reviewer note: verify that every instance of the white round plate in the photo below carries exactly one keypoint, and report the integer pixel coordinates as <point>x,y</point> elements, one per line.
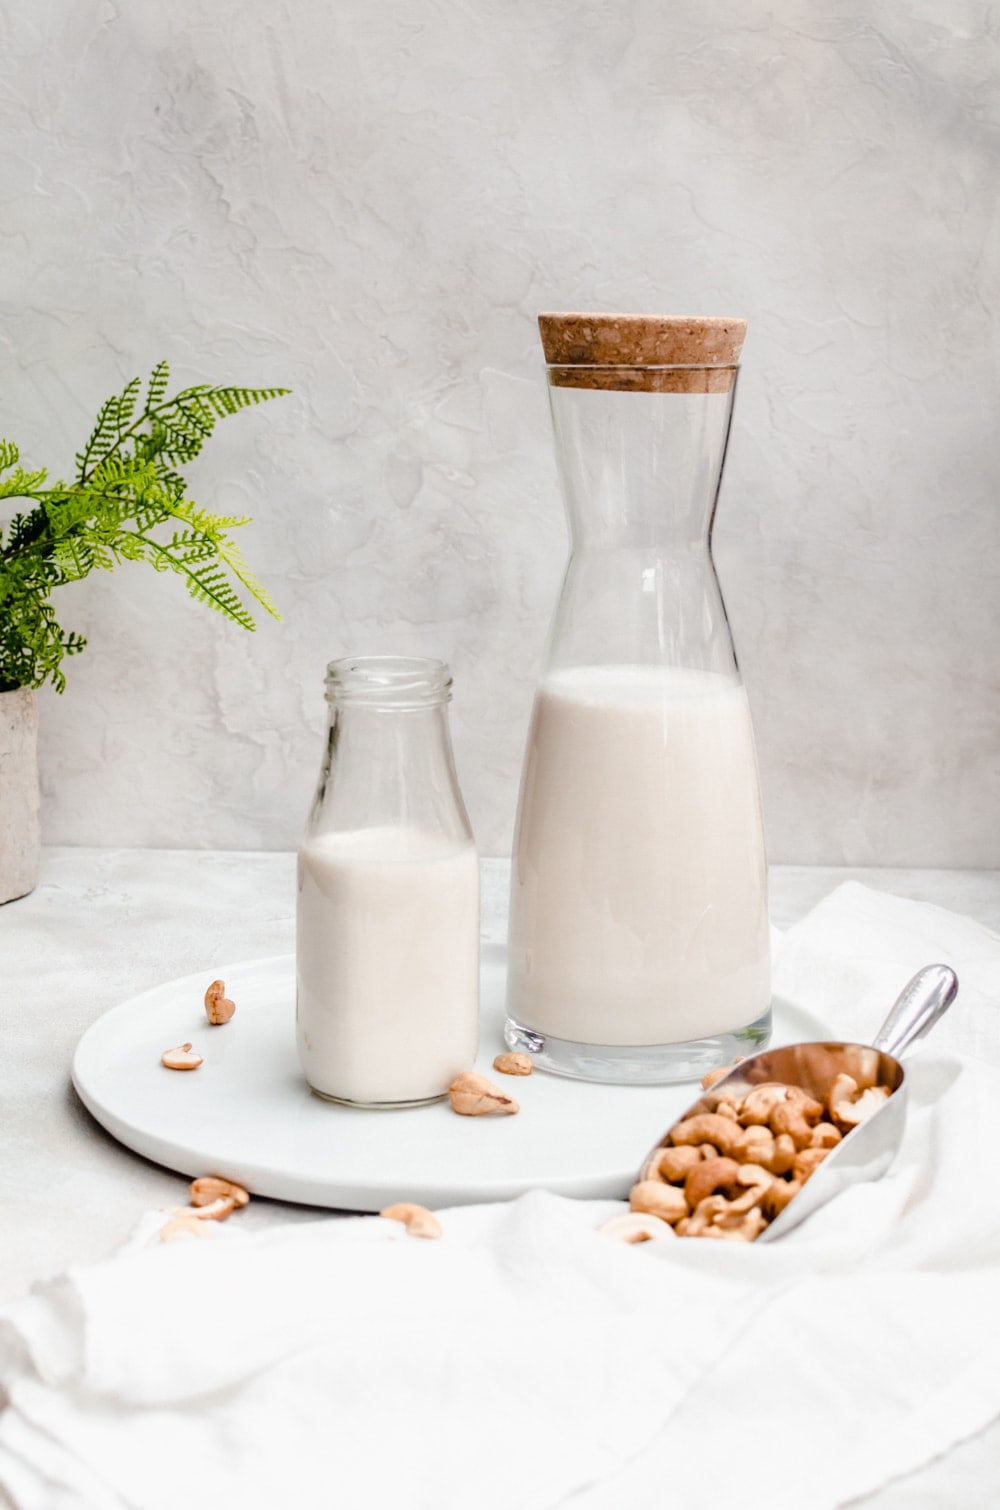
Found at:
<point>247,1113</point>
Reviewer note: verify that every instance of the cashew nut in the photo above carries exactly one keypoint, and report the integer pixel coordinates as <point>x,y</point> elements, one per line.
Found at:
<point>850,1113</point>
<point>753,1174</point>
<point>712,1076</point>
<point>656,1199</point>
<point>183,1058</point>
<point>755,1182</point>
<point>738,1225</point>
<point>675,1164</point>
<point>759,1103</point>
<point>709,1177</point>
<point>825,1135</point>
<point>784,1154</point>
<point>214,1211</point>
<point>209,1187</point>
<point>778,1195</point>
<point>810,1108</point>
<point>418,1221</point>
<point>472,1095</point>
<point>748,1201</point>
<point>787,1118</point>
<point>703,1216</point>
<point>514,1064</point>
<point>755,1145</point>
<point>182,1226</point>
<point>636,1227</point>
<point>708,1127</point>
<point>808,1160</point>
<point>218,1007</point>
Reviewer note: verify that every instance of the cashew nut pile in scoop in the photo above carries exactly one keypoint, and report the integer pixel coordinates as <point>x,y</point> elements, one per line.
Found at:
<point>740,1155</point>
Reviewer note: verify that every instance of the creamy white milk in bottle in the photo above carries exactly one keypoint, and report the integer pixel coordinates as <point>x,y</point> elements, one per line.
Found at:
<point>387,937</point>
<point>639,940</point>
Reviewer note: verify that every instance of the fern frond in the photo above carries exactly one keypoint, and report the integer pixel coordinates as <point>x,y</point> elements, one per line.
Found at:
<point>201,519</point>
<point>73,559</point>
<point>157,390</point>
<point>194,414</point>
<point>126,404</point>
<point>21,484</point>
<point>9,455</point>
<point>173,484</point>
<point>179,439</point>
<point>213,588</point>
<point>226,401</point>
<point>102,438</point>
<point>188,545</point>
<point>25,530</point>
<point>230,552</point>
<point>114,471</point>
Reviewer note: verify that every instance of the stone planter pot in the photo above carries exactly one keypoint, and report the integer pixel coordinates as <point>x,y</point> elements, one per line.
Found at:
<point>19,834</point>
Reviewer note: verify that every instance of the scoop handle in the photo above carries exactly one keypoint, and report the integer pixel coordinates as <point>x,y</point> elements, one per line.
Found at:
<point>920,1004</point>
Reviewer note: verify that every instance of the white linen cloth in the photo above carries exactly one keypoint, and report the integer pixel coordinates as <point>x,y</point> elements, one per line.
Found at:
<point>523,1360</point>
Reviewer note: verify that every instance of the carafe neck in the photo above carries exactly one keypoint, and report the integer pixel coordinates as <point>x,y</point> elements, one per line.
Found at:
<point>641,469</point>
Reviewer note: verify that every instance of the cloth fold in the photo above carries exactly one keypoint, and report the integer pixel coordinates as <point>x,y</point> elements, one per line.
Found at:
<point>525,1361</point>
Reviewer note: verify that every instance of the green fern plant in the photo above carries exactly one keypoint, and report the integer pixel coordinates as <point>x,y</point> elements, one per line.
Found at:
<point>128,502</point>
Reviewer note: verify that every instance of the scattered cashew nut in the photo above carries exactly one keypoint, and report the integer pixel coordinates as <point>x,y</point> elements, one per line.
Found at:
<point>418,1221</point>
<point>209,1187</point>
<point>183,1058</point>
<point>712,1076</point>
<point>472,1095</point>
<point>182,1226</point>
<point>218,1007</point>
<point>215,1211</point>
<point>514,1064</point>
<point>212,1200</point>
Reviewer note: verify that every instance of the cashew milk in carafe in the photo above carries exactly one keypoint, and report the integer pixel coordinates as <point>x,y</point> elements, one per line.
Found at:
<point>639,939</point>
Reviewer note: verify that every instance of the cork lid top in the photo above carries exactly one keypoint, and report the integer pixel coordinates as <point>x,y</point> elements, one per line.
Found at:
<point>631,351</point>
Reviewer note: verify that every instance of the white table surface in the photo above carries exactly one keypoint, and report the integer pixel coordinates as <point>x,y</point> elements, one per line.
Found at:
<point>105,924</point>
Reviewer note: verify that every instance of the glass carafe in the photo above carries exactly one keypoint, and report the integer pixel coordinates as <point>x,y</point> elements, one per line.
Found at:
<point>387,935</point>
<point>639,939</point>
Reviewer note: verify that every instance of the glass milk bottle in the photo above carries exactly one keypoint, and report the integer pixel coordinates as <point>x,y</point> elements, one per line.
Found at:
<point>639,941</point>
<point>387,941</point>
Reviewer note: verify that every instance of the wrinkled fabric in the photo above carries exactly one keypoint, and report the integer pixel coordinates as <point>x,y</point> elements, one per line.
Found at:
<point>524,1358</point>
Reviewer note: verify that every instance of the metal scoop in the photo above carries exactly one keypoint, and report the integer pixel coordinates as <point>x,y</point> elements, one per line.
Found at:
<point>867,1150</point>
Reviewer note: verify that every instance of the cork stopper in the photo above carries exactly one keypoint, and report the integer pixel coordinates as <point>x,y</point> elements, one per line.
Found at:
<point>642,353</point>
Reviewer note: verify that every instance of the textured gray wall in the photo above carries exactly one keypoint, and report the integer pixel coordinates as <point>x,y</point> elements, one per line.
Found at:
<point>370,204</point>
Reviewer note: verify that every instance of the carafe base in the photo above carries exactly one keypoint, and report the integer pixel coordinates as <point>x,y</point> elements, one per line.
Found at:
<point>637,1064</point>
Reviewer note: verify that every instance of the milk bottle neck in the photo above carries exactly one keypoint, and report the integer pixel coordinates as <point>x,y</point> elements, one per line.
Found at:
<point>388,761</point>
